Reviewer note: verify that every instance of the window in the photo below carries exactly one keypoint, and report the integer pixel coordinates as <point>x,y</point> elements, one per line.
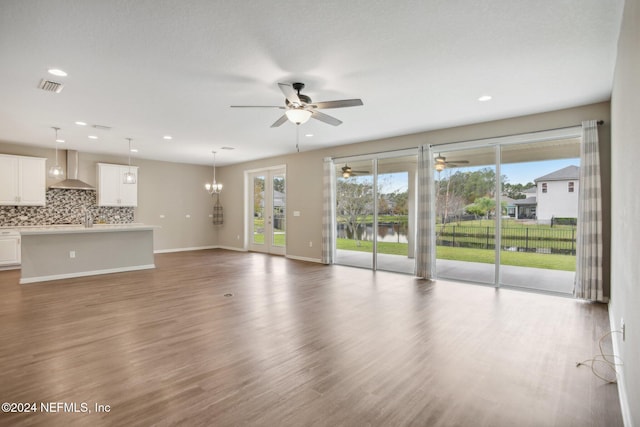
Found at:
<point>544,187</point>
<point>571,187</point>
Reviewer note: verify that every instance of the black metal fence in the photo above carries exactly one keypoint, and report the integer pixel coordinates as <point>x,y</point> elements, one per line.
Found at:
<point>520,239</point>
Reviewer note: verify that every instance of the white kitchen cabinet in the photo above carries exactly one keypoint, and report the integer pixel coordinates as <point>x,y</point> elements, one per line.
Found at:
<point>9,248</point>
<point>112,191</point>
<point>22,180</point>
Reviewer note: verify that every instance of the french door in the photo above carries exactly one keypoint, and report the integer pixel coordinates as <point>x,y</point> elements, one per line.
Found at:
<point>267,224</point>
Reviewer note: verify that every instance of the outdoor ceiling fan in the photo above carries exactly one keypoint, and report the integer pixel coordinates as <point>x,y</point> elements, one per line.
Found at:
<point>440,163</point>
<point>299,108</point>
<point>347,172</point>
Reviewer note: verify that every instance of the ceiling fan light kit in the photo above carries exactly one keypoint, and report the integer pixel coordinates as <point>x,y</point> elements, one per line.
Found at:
<point>440,163</point>
<point>298,115</point>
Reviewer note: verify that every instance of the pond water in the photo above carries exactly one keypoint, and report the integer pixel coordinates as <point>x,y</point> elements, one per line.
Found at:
<point>395,233</point>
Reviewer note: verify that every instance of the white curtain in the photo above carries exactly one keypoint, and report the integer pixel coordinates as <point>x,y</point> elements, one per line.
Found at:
<point>588,282</point>
<point>328,211</point>
<point>426,220</point>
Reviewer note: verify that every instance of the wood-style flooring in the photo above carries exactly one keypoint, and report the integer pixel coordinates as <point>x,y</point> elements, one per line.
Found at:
<point>297,344</point>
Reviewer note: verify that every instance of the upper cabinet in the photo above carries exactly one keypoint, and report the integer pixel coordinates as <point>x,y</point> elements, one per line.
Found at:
<point>22,180</point>
<point>112,191</point>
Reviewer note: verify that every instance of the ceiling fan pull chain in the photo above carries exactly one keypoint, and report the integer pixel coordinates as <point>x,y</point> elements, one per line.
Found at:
<point>298,137</point>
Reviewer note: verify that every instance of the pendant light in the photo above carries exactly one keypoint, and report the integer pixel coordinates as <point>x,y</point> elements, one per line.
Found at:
<point>56,171</point>
<point>214,187</point>
<point>129,177</point>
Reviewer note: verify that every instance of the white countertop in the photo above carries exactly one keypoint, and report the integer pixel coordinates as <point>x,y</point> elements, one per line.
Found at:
<point>77,228</point>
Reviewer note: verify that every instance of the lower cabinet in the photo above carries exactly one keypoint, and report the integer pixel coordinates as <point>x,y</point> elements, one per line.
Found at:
<point>9,248</point>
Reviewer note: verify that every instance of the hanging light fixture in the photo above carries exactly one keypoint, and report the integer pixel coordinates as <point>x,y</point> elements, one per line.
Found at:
<point>56,171</point>
<point>214,187</point>
<point>129,177</point>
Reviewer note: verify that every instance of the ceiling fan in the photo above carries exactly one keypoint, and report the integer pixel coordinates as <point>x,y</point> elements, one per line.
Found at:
<point>299,108</point>
<point>441,162</point>
<point>347,172</point>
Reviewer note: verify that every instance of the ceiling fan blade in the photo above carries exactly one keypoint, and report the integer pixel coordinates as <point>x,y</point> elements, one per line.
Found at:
<point>280,121</point>
<point>338,104</point>
<point>325,118</point>
<point>289,93</point>
<point>460,162</point>
<point>257,106</point>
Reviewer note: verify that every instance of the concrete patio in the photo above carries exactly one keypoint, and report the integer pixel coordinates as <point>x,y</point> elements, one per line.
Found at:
<point>539,279</point>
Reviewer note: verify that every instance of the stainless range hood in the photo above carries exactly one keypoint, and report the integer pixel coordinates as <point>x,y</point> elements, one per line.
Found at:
<point>72,182</point>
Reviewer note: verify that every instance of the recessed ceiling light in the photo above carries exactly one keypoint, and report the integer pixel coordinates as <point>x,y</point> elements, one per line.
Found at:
<point>93,137</point>
<point>309,135</point>
<point>81,123</point>
<point>484,98</point>
<point>59,140</point>
<point>134,150</point>
<point>57,72</point>
<point>167,137</point>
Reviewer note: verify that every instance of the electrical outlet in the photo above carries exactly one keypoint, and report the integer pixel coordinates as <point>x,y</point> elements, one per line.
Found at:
<point>238,237</point>
<point>310,244</point>
<point>624,329</point>
<point>72,254</point>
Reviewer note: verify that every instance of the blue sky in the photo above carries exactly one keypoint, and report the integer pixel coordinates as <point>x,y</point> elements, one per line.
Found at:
<point>517,173</point>
<point>521,173</point>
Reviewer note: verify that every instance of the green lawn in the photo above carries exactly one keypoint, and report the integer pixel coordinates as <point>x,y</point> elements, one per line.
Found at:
<point>278,239</point>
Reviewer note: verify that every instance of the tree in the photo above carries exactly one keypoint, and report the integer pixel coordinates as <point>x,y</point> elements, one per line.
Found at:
<point>516,191</point>
<point>354,203</point>
<point>258,196</point>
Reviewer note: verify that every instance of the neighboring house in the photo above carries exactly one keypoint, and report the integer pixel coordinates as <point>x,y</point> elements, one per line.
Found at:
<point>554,196</point>
<point>557,194</point>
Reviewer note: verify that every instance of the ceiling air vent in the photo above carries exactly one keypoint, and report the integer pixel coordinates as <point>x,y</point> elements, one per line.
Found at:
<point>50,86</point>
<point>101,127</point>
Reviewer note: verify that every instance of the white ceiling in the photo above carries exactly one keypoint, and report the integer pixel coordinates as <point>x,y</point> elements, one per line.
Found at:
<point>149,68</point>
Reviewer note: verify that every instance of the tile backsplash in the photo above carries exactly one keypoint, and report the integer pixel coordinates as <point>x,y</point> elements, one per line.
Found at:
<point>65,207</point>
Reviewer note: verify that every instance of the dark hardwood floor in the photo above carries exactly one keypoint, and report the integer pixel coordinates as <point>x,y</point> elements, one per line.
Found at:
<point>298,344</point>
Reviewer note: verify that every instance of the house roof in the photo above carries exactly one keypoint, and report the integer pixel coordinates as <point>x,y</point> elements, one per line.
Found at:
<point>528,201</point>
<point>564,174</point>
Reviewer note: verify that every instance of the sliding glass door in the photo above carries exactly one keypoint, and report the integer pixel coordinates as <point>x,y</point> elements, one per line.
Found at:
<point>466,212</point>
<point>375,211</point>
<point>507,212</point>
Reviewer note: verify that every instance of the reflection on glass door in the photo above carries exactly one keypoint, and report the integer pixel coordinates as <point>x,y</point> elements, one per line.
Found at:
<point>267,221</point>
<point>465,185</point>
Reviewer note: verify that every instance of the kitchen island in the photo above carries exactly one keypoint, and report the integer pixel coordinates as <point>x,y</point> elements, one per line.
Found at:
<point>61,252</point>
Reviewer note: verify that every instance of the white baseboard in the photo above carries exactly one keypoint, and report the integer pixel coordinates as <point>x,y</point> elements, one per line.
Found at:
<point>622,393</point>
<point>301,258</point>
<point>232,248</point>
<point>197,248</point>
<point>85,273</point>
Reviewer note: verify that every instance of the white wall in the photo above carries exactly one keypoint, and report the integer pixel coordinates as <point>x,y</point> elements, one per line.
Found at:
<point>557,201</point>
<point>625,209</point>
